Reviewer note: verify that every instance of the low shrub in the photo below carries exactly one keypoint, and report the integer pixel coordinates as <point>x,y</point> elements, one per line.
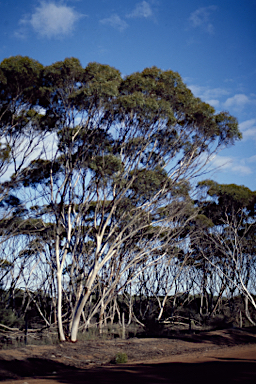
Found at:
<point>121,358</point>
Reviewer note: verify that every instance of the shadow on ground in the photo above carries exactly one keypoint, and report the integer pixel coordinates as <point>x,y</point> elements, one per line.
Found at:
<point>238,371</point>
<point>225,337</point>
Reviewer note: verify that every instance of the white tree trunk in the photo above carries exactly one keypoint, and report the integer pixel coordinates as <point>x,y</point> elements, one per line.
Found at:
<point>77,315</point>
<point>59,308</point>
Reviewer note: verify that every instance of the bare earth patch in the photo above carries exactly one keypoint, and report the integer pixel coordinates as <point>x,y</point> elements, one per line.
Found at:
<point>227,356</point>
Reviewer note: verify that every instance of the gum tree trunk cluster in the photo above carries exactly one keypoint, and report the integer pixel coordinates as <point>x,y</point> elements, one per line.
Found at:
<point>96,172</point>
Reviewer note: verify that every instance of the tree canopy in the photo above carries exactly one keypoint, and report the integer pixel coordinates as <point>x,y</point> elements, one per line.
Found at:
<point>101,164</point>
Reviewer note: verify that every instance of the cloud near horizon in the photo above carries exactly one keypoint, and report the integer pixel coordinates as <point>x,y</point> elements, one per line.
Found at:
<point>217,97</point>
<point>209,95</point>
<point>239,101</point>
<point>231,164</point>
<point>248,129</point>
<point>52,20</point>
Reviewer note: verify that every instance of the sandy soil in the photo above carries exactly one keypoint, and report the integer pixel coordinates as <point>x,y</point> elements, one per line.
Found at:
<point>227,356</point>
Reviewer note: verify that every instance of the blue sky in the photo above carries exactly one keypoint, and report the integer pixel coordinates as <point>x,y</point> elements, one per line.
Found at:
<point>212,44</point>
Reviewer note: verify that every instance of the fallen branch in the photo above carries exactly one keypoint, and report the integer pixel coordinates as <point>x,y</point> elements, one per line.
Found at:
<point>10,329</point>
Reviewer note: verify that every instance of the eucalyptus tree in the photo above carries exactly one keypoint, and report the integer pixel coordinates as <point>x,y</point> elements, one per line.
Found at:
<point>112,182</point>
<point>21,134</point>
<point>227,225</point>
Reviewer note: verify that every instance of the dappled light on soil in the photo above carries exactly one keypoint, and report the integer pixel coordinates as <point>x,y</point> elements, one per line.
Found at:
<point>227,356</point>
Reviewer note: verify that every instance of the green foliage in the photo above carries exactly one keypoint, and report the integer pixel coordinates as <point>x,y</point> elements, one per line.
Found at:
<point>121,358</point>
<point>226,199</point>
<point>22,76</point>
<point>203,221</point>
<point>8,314</point>
<point>9,318</point>
<point>5,264</point>
<point>115,179</point>
<point>102,82</point>
<point>10,201</point>
<point>162,95</point>
<point>148,182</point>
<point>105,166</point>
<point>229,192</point>
<point>62,73</point>
<point>4,153</point>
<point>19,93</point>
<point>39,171</point>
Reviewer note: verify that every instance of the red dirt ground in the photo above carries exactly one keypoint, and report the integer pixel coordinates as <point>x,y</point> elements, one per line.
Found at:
<point>227,356</point>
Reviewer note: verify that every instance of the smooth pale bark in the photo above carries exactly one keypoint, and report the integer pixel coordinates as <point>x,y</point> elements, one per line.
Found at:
<point>102,311</point>
<point>162,304</point>
<point>59,308</point>
<point>81,303</point>
<point>78,312</point>
<point>59,290</point>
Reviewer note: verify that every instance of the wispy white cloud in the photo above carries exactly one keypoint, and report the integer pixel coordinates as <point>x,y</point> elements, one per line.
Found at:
<point>21,33</point>
<point>115,21</point>
<point>248,129</point>
<point>201,18</point>
<point>142,10</point>
<point>252,159</point>
<point>231,164</point>
<point>240,169</point>
<point>215,103</point>
<point>217,97</point>
<point>239,101</point>
<point>52,20</point>
<point>209,95</point>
